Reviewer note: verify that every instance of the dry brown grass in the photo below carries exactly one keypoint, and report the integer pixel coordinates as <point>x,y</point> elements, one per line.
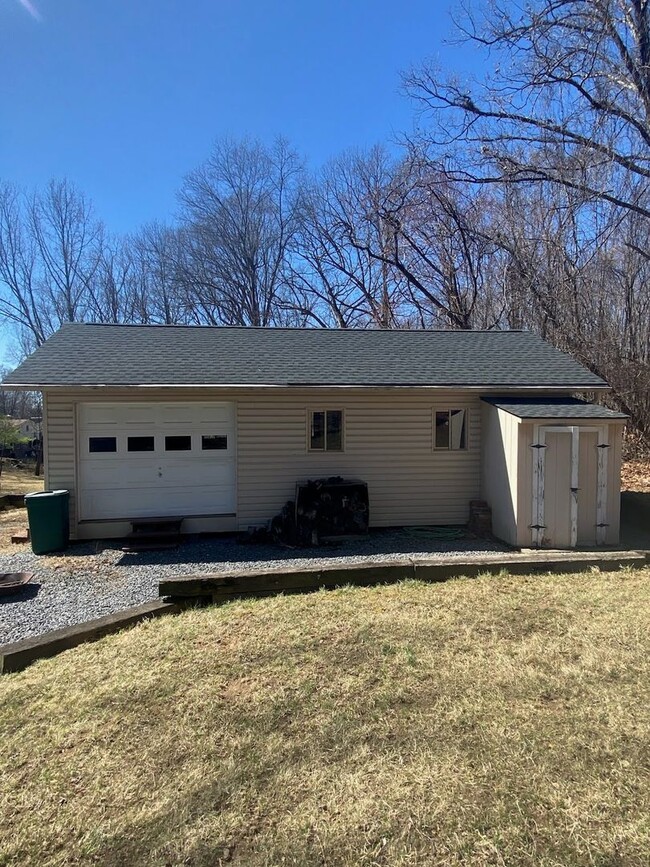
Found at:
<point>499,721</point>
<point>12,522</point>
<point>19,481</point>
<point>635,475</point>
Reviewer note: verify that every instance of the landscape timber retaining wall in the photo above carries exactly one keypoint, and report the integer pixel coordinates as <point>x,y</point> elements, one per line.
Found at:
<point>19,654</point>
<point>265,582</point>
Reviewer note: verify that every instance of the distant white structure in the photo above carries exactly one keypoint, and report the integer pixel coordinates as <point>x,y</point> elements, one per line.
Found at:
<point>26,428</point>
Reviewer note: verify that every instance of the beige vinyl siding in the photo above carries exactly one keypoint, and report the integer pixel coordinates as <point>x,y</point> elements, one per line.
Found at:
<point>60,448</point>
<point>388,442</point>
<point>499,470</point>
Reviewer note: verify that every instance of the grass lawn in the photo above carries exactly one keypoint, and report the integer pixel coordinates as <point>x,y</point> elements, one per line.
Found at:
<point>496,721</point>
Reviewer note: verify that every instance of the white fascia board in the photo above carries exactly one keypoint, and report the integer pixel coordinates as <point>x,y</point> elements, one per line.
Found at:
<point>293,385</point>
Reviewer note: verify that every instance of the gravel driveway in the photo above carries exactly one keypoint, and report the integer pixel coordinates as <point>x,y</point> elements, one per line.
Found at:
<point>96,578</point>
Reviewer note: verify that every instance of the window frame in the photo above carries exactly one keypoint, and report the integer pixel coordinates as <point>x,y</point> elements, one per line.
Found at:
<point>449,408</point>
<point>325,450</point>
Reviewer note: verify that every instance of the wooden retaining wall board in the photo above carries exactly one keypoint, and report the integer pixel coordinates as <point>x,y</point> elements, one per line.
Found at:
<point>19,654</point>
<point>263,582</point>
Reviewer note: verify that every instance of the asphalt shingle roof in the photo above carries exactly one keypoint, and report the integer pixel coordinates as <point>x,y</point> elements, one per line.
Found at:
<point>87,354</point>
<point>549,407</point>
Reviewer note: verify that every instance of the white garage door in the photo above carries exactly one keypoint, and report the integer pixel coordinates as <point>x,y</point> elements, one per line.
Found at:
<point>150,460</point>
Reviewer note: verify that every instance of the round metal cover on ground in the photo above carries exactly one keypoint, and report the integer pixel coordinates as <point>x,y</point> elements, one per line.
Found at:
<point>12,582</point>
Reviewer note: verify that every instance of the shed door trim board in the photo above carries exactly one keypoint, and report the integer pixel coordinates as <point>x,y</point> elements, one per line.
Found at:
<point>539,479</point>
<point>191,470</point>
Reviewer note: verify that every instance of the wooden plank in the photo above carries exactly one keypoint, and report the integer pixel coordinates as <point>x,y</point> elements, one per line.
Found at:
<point>575,463</point>
<point>602,494</point>
<point>277,582</point>
<point>367,572</point>
<point>266,582</point>
<point>19,654</point>
<point>537,531</point>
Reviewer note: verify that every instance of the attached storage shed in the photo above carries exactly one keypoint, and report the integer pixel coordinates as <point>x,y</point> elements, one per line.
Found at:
<point>218,425</point>
<point>551,471</point>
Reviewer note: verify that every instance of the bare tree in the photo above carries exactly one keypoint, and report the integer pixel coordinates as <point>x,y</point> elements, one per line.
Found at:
<point>560,130</point>
<point>420,230</point>
<point>69,243</point>
<point>21,301</point>
<point>332,281</point>
<point>240,215</point>
<point>50,252</point>
<point>157,256</point>
<point>568,101</point>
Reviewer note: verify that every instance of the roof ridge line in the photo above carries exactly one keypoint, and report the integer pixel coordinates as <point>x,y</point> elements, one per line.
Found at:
<point>278,328</point>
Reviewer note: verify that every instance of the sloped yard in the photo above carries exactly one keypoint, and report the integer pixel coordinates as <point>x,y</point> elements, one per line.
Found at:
<point>499,721</point>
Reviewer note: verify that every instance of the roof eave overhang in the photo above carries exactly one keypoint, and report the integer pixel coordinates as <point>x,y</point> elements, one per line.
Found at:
<point>33,386</point>
<point>555,419</point>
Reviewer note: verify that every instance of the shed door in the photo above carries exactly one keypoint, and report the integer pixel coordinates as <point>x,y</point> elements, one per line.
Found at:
<point>588,489</point>
<point>557,490</point>
<point>569,486</point>
<point>156,459</point>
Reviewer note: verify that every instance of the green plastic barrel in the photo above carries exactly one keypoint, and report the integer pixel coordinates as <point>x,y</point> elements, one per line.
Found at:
<point>49,520</point>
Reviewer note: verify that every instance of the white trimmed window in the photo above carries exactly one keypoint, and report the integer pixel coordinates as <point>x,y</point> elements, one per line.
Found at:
<point>450,429</point>
<point>326,430</point>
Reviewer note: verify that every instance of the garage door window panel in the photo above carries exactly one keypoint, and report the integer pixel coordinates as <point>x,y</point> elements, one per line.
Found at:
<point>140,444</point>
<point>213,442</point>
<point>178,443</point>
<point>102,445</point>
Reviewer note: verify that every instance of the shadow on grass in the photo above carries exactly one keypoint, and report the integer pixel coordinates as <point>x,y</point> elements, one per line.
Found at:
<point>635,519</point>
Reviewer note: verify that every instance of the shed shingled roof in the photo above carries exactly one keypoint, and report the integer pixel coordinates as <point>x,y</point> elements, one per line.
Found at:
<point>550,407</point>
<point>148,355</point>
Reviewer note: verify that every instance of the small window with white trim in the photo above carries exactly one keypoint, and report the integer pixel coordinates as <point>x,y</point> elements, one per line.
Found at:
<point>326,430</point>
<point>450,429</point>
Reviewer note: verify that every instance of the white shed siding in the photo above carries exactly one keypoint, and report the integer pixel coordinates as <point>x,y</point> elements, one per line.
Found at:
<point>388,443</point>
<point>614,458</point>
<point>524,516</point>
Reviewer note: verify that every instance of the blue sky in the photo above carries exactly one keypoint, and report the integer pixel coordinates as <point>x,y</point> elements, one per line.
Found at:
<point>125,96</point>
